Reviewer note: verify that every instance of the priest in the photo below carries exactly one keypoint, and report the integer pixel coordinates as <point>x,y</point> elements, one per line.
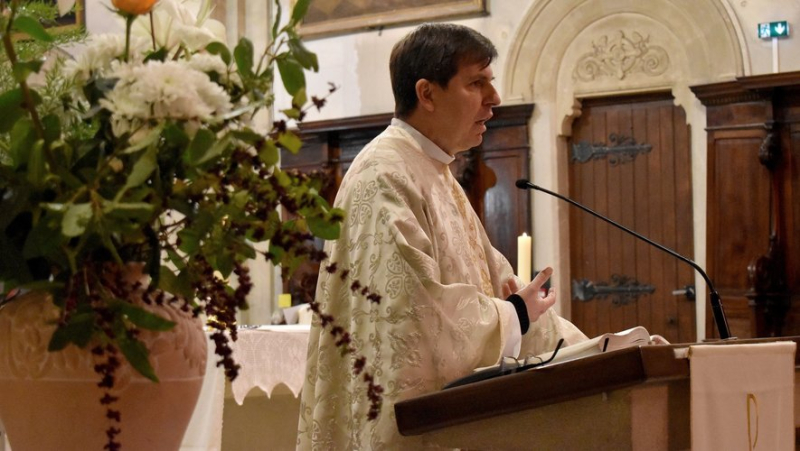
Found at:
<point>450,302</point>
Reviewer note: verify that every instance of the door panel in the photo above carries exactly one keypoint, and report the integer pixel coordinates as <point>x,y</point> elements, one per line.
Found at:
<point>630,160</point>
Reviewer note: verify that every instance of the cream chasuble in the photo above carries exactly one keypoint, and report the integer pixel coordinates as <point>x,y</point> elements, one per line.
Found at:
<point>412,236</point>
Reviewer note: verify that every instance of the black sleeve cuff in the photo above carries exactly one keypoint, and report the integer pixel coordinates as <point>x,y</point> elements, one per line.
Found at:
<point>522,312</point>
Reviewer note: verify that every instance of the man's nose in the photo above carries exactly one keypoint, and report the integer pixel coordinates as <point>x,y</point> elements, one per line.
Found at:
<point>492,97</point>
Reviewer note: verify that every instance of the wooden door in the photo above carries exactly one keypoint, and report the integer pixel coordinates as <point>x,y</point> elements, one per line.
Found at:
<point>630,160</point>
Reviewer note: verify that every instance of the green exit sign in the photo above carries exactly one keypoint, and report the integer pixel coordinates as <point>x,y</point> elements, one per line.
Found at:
<point>773,30</point>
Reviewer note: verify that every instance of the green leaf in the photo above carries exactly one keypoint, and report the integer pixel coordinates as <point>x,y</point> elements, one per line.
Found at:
<point>299,11</point>
<point>277,19</point>
<point>322,228</point>
<point>243,54</point>
<point>136,210</point>
<point>151,138</point>
<point>248,136</point>
<point>37,170</point>
<point>290,141</point>
<point>24,68</point>
<point>33,28</point>
<point>239,200</point>
<point>76,219</point>
<point>52,128</point>
<point>11,104</point>
<point>190,241</point>
<point>223,262</point>
<point>283,179</point>
<point>291,113</point>
<point>141,317</point>
<point>176,260</point>
<point>300,98</point>
<point>141,171</point>
<point>23,139</point>
<point>78,330</point>
<point>216,150</point>
<point>218,48</point>
<point>244,109</point>
<point>291,75</point>
<point>137,355</point>
<point>175,136</point>
<point>175,284</point>
<point>269,153</point>
<point>199,147</point>
<point>277,253</point>
<point>305,57</point>
<point>159,55</point>
<point>44,239</point>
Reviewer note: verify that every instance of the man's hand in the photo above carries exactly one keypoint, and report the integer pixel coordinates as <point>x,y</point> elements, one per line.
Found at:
<point>510,287</point>
<point>530,294</point>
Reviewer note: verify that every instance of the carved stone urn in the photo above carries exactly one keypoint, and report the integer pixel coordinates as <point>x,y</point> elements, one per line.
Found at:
<point>51,400</point>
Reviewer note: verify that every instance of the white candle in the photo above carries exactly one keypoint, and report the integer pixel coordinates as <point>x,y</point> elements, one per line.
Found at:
<point>524,257</point>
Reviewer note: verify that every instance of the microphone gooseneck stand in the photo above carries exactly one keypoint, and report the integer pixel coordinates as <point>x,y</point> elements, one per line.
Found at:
<point>716,304</point>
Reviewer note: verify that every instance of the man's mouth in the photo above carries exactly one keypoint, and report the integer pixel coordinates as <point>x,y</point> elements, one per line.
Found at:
<point>484,120</point>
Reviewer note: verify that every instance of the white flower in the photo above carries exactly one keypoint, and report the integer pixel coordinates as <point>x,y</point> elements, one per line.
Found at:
<point>64,6</point>
<point>175,24</point>
<point>163,90</point>
<point>101,54</point>
<point>194,38</point>
<point>207,63</point>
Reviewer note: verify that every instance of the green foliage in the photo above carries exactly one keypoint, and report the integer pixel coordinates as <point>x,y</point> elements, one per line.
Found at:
<point>32,46</point>
<point>84,187</point>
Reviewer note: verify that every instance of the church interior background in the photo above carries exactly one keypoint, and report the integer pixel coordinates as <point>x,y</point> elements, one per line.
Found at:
<point>672,117</point>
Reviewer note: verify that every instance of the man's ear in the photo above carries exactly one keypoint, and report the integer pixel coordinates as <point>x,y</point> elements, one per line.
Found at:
<point>424,90</point>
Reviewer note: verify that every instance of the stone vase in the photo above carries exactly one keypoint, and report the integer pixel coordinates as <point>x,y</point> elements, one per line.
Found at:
<point>51,400</point>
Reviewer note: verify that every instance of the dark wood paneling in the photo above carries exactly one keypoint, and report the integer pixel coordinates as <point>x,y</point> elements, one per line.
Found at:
<point>736,201</point>
<point>754,201</point>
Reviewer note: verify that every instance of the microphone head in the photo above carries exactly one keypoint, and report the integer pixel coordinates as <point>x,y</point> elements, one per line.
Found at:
<point>523,184</point>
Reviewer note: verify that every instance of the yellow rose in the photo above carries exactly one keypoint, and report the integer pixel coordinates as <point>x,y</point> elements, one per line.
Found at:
<point>135,7</point>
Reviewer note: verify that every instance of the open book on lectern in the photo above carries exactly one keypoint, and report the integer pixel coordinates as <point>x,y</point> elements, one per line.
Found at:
<point>635,336</point>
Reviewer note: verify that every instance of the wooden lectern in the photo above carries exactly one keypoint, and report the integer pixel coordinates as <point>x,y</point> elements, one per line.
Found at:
<point>635,398</point>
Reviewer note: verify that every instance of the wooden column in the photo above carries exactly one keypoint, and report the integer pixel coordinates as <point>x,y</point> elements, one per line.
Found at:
<point>753,180</point>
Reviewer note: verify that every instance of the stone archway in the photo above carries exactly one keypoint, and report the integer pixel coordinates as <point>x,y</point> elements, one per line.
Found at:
<point>566,50</point>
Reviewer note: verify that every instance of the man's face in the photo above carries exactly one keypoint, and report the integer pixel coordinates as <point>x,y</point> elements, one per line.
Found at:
<point>463,107</point>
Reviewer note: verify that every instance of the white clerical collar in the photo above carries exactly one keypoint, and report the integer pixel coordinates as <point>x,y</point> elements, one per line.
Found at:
<point>428,146</point>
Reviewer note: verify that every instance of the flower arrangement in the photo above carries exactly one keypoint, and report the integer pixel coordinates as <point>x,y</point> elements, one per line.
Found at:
<point>143,149</point>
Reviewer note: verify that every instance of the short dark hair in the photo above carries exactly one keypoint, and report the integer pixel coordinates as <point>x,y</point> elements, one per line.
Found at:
<point>434,52</point>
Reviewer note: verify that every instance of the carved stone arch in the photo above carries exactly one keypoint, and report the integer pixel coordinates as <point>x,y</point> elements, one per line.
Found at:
<point>706,30</point>
<point>633,46</point>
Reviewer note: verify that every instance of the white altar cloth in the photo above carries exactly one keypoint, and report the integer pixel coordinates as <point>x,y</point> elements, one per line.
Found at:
<point>269,356</point>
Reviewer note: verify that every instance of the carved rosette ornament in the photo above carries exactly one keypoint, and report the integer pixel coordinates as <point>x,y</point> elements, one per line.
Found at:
<point>621,56</point>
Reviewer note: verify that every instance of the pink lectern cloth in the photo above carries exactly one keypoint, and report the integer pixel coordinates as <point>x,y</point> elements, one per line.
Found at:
<point>742,396</point>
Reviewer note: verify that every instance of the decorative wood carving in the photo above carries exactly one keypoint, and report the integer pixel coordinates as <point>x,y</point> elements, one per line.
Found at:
<point>621,56</point>
<point>769,152</point>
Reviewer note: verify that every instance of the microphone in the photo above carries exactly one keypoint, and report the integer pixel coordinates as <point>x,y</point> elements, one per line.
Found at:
<point>716,304</point>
